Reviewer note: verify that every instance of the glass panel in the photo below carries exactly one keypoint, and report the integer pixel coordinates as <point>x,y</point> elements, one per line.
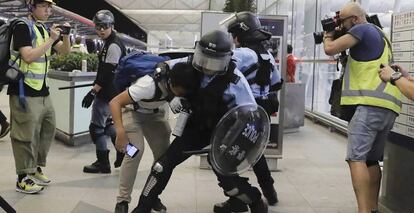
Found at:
<point>325,73</point>
<point>306,70</point>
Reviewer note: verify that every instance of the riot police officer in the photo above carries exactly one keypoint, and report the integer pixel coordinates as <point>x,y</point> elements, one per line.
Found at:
<point>222,87</point>
<point>258,66</point>
<point>102,92</point>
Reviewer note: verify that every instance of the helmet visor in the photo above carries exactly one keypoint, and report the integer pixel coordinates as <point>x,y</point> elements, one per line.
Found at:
<point>210,64</point>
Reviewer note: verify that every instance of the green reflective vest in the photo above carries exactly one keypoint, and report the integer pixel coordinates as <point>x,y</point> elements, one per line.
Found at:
<point>363,86</point>
<point>35,73</point>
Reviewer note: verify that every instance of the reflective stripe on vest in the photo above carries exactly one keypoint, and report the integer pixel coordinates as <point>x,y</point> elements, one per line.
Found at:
<point>35,72</point>
<point>363,86</point>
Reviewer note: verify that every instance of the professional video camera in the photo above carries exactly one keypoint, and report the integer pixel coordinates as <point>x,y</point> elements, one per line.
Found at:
<point>330,24</point>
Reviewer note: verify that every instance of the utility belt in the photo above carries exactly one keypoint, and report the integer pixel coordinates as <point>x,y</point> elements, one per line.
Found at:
<point>270,103</point>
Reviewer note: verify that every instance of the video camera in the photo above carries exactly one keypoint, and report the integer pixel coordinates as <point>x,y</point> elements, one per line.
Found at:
<point>330,24</point>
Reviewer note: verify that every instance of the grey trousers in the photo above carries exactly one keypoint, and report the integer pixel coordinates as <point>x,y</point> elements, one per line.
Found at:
<point>32,132</point>
<point>156,130</point>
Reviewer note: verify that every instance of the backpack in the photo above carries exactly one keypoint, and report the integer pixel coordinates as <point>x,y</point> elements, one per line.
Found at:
<point>135,65</point>
<point>8,70</point>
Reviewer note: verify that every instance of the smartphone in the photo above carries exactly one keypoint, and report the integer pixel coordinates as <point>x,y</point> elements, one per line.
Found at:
<point>65,29</point>
<point>131,150</point>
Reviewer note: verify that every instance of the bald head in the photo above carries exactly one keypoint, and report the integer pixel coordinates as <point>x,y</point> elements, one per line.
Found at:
<point>353,9</point>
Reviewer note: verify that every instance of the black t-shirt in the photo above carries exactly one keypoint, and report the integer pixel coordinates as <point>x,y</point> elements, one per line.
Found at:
<point>21,38</point>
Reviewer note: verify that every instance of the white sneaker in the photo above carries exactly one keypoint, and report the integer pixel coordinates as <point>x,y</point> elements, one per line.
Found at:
<point>40,179</point>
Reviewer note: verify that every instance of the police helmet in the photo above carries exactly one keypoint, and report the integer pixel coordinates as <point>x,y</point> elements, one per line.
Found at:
<point>246,26</point>
<point>212,53</point>
<point>103,19</point>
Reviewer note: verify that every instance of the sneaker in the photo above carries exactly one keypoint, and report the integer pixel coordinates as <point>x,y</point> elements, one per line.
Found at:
<point>231,205</point>
<point>121,207</point>
<point>5,128</point>
<point>26,185</point>
<point>40,179</point>
<point>159,207</point>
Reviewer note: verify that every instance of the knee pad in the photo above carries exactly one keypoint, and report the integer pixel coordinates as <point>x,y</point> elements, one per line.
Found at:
<point>371,163</point>
<point>158,167</point>
<point>96,131</point>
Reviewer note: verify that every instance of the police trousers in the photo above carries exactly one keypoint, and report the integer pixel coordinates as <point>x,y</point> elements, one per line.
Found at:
<point>191,139</point>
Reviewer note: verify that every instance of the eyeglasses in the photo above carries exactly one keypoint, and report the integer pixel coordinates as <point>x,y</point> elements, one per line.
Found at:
<point>102,26</point>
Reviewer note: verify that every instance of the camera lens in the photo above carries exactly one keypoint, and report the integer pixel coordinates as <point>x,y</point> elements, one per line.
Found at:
<point>318,37</point>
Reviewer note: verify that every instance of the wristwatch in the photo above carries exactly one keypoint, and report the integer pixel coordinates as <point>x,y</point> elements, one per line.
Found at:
<point>395,76</point>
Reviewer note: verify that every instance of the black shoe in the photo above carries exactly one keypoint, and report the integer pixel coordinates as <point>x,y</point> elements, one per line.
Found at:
<point>119,159</point>
<point>121,207</point>
<point>5,128</point>
<point>259,207</point>
<point>101,165</point>
<point>230,205</point>
<point>159,207</point>
<point>270,194</point>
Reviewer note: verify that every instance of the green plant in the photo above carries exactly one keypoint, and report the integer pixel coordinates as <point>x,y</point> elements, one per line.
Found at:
<point>73,61</point>
<point>240,5</point>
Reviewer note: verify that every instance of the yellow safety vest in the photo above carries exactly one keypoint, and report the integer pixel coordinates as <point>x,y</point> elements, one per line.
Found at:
<point>363,86</point>
<point>36,72</point>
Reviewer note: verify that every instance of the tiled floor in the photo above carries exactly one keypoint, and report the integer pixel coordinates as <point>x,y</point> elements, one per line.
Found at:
<point>313,178</point>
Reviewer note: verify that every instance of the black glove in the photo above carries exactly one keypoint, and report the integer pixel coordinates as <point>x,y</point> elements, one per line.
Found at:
<point>88,99</point>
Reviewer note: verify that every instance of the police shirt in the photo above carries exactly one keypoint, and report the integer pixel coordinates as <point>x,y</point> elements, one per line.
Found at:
<point>245,58</point>
<point>235,94</point>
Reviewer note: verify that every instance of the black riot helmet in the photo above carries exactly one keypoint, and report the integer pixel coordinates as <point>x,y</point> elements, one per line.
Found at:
<point>213,52</point>
<point>103,19</point>
<point>246,26</point>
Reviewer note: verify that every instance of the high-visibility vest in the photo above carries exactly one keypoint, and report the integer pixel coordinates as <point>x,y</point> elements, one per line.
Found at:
<point>35,73</point>
<point>363,86</point>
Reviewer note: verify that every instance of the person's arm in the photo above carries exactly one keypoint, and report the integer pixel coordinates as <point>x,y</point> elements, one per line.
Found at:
<point>105,72</point>
<point>338,45</point>
<point>63,47</point>
<point>30,54</point>
<point>405,84</point>
<point>115,106</point>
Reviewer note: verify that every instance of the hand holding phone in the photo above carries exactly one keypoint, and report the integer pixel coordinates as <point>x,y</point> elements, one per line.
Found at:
<point>131,150</point>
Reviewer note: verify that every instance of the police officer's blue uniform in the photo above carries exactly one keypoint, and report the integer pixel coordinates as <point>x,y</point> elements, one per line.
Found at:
<point>196,136</point>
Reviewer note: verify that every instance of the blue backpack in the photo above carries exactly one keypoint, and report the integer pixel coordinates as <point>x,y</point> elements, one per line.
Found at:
<point>135,65</point>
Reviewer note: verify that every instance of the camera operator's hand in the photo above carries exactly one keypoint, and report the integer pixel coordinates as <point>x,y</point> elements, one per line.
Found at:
<point>55,32</point>
<point>88,99</point>
<point>176,104</point>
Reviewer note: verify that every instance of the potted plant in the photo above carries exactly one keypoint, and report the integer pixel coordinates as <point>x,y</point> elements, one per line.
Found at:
<point>73,61</point>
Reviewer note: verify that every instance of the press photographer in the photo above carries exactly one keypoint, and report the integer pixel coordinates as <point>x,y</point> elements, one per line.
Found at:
<point>376,103</point>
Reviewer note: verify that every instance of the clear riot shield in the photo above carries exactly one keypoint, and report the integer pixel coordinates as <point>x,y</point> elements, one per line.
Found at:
<point>239,139</point>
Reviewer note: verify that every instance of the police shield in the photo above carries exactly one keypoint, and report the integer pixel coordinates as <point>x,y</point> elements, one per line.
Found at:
<point>239,139</point>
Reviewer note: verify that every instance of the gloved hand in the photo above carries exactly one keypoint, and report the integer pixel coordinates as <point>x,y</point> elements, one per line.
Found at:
<point>176,104</point>
<point>88,99</point>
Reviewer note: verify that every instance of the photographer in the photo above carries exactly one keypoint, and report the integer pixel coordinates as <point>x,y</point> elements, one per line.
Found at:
<point>376,103</point>
<point>402,80</point>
